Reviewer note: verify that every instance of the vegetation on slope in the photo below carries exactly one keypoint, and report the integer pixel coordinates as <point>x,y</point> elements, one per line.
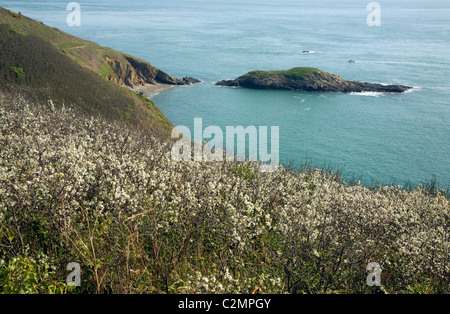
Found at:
<point>81,190</point>
<point>36,69</point>
<point>111,64</point>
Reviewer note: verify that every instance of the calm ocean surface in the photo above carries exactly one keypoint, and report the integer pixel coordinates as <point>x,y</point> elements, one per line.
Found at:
<point>386,138</point>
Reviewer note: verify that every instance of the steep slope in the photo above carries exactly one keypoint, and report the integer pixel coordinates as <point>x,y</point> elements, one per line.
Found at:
<point>111,64</point>
<point>307,79</point>
<point>36,70</point>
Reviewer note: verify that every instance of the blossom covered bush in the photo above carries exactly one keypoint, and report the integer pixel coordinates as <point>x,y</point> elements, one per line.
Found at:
<point>77,189</point>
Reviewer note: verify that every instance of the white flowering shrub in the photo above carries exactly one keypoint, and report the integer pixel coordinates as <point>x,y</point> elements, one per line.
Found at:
<point>81,190</point>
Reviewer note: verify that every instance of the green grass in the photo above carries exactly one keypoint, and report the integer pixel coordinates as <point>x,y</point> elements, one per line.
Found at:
<point>17,71</point>
<point>105,70</point>
<point>69,45</point>
<point>299,73</point>
<point>244,172</point>
<point>12,30</point>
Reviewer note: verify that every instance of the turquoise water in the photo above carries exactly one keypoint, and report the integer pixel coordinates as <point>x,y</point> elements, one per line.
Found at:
<point>386,138</point>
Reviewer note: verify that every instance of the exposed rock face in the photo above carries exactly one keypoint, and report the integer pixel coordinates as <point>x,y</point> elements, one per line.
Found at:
<point>190,80</point>
<point>316,81</point>
<point>134,72</point>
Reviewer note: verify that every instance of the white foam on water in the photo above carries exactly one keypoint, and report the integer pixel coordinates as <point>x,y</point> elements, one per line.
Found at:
<point>414,88</point>
<point>369,94</point>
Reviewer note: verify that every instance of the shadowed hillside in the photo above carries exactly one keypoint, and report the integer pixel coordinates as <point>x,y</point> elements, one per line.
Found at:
<point>40,72</point>
<point>111,64</point>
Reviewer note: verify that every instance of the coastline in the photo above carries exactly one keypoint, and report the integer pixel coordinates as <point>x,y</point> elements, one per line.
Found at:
<point>150,90</point>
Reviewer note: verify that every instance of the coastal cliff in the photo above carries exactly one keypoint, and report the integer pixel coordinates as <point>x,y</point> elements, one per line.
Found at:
<point>40,64</point>
<point>309,80</point>
<point>132,72</point>
<point>123,69</point>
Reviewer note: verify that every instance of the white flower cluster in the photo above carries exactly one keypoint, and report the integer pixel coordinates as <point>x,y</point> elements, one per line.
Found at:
<point>311,229</point>
<point>225,283</point>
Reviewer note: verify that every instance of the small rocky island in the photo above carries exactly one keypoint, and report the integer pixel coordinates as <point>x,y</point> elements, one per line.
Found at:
<point>309,80</point>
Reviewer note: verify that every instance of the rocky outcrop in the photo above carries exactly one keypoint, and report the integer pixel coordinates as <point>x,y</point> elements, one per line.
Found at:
<point>190,80</point>
<point>132,72</point>
<point>307,79</point>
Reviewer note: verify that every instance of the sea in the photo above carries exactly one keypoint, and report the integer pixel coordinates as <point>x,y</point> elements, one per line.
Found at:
<point>383,138</point>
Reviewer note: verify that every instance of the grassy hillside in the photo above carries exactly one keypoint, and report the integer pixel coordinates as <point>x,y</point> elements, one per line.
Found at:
<point>106,62</point>
<point>38,70</point>
<point>86,53</point>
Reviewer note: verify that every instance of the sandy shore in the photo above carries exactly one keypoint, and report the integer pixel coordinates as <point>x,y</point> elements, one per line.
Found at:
<point>151,90</point>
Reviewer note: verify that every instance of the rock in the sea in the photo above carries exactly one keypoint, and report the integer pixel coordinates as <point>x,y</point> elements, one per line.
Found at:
<point>190,80</point>
<point>307,79</point>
